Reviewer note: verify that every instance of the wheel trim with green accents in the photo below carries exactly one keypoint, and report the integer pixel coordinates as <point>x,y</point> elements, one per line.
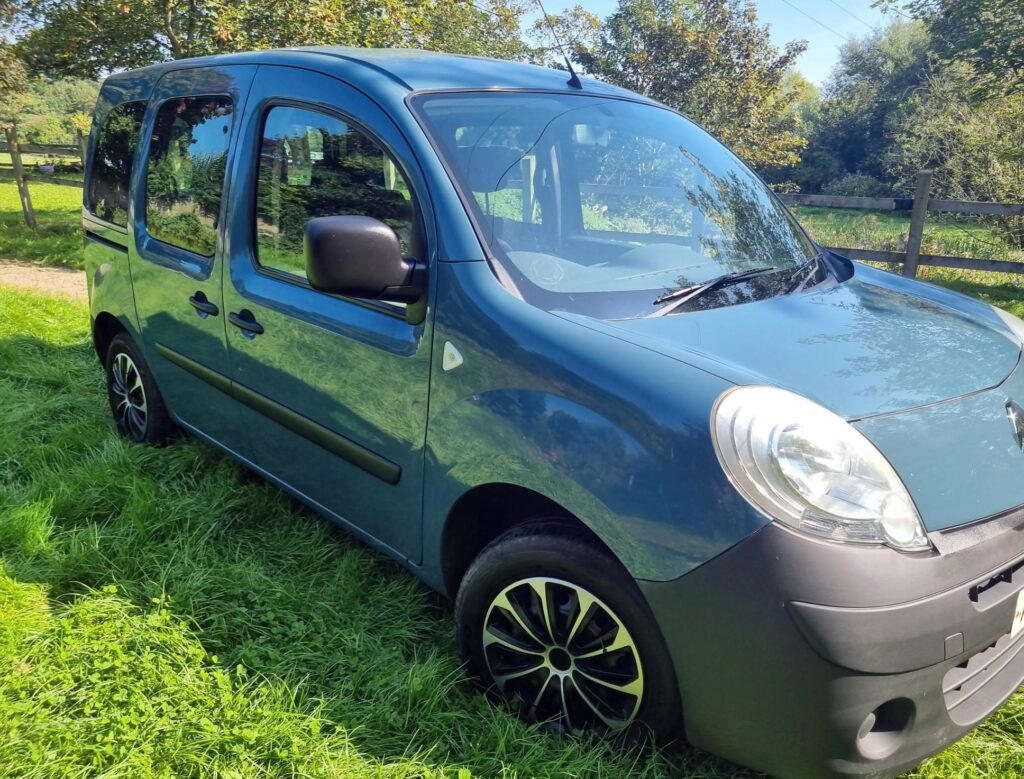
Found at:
<point>564,654</point>
<point>129,395</point>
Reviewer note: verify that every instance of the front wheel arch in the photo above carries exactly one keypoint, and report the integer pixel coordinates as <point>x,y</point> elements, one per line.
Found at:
<point>485,512</point>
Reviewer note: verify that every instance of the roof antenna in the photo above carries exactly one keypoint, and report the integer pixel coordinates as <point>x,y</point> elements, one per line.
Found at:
<point>574,80</point>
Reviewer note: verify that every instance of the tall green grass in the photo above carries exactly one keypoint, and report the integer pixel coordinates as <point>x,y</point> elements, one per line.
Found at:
<point>164,613</point>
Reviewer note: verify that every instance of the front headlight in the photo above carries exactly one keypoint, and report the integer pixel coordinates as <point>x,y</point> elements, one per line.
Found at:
<point>804,466</point>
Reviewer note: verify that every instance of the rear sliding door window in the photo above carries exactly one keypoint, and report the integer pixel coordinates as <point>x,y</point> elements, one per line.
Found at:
<point>185,172</point>
<point>112,163</point>
<point>315,165</point>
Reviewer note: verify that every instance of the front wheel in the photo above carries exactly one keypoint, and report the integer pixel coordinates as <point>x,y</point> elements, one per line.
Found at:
<point>550,621</point>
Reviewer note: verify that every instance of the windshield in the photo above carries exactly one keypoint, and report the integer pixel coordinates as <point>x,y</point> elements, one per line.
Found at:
<point>600,206</point>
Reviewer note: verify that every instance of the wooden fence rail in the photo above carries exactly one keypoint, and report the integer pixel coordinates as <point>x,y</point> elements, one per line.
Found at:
<point>6,175</point>
<point>54,149</point>
<point>919,206</point>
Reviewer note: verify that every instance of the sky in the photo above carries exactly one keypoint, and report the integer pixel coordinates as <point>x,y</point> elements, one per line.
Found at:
<point>824,24</point>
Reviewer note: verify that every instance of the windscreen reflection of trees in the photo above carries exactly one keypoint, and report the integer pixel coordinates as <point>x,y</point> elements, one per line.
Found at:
<point>185,178</point>
<point>112,163</point>
<point>323,171</point>
<point>643,185</point>
<point>753,230</point>
<point>649,175</point>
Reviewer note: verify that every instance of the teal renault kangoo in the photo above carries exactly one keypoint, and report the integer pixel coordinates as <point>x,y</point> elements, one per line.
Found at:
<point>685,473</point>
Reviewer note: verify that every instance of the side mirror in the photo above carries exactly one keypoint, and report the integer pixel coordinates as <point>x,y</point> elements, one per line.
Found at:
<point>362,257</point>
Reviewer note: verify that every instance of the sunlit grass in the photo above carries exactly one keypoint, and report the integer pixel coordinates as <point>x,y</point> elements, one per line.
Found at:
<point>164,613</point>
<point>57,239</point>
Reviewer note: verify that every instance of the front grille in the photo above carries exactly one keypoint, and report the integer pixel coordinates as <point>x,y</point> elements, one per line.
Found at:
<point>980,684</point>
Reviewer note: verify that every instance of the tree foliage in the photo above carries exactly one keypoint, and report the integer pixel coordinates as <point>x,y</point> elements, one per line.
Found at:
<point>711,60</point>
<point>88,38</point>
<point>976,151</point>
<point>51,111</point>
<point>574,30</point>
<point>851,130</point>
<point>12,73</point>
<point>987,35</point>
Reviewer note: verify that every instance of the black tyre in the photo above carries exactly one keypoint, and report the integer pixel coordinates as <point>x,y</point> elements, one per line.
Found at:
<point>138,409</point>
<point>547,619</point>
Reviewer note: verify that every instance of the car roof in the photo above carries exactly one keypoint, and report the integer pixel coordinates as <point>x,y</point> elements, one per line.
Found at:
<point>394,71</point>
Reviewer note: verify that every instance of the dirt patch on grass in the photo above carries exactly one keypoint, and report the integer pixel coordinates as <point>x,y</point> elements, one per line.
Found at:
<point>60,281</point>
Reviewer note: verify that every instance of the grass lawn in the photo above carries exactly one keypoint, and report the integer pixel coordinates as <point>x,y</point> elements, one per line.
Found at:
<point>57,240</point>
<point>164,613</point>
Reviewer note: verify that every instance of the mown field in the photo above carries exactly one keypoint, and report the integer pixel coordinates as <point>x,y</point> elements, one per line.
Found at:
<point>163,613</point>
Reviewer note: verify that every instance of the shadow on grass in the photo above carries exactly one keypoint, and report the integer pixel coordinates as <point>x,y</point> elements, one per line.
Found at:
<point>319,628</point>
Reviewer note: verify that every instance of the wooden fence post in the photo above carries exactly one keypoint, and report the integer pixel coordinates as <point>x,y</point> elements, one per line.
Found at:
<point>83,146</point>
<point>917,217</point>
<point>19,175</point>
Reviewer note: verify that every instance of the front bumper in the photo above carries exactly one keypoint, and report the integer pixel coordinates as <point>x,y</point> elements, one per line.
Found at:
<point>807,658</point>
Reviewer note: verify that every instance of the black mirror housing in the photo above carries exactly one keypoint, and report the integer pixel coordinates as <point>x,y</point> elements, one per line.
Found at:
<point>360,256</point>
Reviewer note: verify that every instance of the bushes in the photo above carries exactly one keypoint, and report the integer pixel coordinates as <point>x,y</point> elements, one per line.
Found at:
<point>857,185</point>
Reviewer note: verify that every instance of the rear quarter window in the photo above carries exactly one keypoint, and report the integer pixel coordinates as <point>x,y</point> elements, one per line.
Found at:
<point>185,172</point>
<point>107,196</point>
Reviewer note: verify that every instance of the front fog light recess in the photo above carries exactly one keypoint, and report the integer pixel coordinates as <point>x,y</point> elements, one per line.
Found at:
<point>810,469</point>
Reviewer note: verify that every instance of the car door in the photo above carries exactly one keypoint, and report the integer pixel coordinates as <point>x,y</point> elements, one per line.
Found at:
<point>342,383</point>
<point>179,200</point>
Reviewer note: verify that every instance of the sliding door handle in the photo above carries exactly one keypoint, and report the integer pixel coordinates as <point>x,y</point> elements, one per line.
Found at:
<point>203,306</point>
<point>246,322</point>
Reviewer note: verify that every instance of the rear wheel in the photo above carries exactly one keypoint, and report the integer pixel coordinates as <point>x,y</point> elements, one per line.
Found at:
<point>550,621</point>
<point>135,401</point>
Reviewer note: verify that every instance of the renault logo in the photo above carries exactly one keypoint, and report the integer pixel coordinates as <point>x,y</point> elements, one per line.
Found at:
<point>1016,416</point>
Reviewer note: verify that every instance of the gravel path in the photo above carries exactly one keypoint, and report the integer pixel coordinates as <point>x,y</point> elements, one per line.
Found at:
<point>61,281</point>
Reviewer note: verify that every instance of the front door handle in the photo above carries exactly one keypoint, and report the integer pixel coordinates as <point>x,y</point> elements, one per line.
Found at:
<point>246,322</point>
<point>203,306</point>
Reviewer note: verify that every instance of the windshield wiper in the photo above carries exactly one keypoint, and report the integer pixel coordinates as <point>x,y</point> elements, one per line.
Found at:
<point>686,294</point>
<point>801,278</point>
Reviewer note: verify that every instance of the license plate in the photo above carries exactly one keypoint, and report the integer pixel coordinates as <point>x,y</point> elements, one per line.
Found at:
<point>1018,616</point>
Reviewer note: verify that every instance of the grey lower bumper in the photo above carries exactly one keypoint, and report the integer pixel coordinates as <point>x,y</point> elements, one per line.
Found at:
<point>805,658</point>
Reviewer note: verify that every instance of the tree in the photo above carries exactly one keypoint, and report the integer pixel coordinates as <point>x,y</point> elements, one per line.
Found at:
<point>488,28</point>
<point>975,150</point>
<point>873,78</point>
<point>988,35</point>
<point>804,114</point>
<point>573,31</point>
<point>711,60</point>
<point>88,38</point>
<point>51,111</point>
<point>12,73</point>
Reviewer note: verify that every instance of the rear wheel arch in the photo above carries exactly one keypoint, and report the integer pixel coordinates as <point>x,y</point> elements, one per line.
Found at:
<point>487,511</point>
<point>104,327</point>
